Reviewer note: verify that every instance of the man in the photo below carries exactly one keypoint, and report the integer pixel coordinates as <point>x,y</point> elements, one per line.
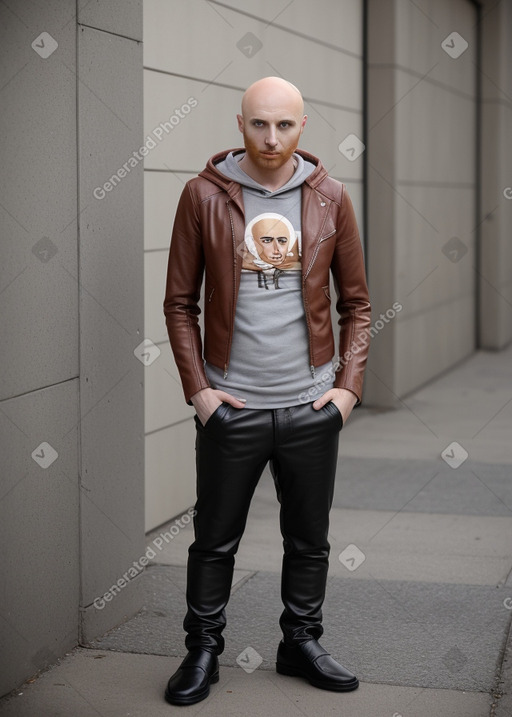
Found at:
<point>268,340</point>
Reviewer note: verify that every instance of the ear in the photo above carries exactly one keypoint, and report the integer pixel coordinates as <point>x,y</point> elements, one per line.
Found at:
<point>240,121</point>
<point>303,123</point>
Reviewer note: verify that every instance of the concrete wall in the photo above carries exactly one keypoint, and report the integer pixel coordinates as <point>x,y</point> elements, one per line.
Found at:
<point>422,190</point>
<point>111,306</point>
<point>71,283</point>
<point>495,270</point>
<point>211,52</point>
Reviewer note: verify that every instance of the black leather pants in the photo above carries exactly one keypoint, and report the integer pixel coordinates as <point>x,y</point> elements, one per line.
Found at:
<point>232,450</point>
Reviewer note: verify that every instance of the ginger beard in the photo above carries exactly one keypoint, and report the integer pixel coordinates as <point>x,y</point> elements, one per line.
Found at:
<point>259,158</point>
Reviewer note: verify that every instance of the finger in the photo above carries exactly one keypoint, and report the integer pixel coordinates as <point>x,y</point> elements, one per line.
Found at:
<point>317,405</point>
<point>234,400</point>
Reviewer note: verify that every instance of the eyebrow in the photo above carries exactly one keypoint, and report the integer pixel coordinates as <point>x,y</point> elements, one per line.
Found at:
<point>284,119</point>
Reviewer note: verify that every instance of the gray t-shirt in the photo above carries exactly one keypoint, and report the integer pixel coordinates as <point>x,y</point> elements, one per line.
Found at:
<point>269,360</point>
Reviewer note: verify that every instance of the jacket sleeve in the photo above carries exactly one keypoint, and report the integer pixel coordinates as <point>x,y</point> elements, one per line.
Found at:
<point>353,303</point>
<point>183,289</point>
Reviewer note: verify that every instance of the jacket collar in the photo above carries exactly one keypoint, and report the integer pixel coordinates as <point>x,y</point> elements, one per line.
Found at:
<point>211,172</point>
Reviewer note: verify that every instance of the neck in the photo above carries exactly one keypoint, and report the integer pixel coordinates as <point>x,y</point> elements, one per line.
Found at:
<point>272,179</point>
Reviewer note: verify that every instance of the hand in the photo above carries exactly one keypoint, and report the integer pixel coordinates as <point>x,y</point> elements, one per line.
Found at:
<point>343,399</point>
<point>208,400</point>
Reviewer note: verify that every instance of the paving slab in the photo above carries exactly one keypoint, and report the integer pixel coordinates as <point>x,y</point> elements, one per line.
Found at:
<point>424,486</point>
<point>109,684</point>
<point>430,548</point>
<point>407,633</point>
<point>397,544</point>
<point>470,404</point>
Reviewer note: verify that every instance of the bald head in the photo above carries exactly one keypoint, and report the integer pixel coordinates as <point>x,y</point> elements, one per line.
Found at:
<point>271,122</point>
<point>272,93</point>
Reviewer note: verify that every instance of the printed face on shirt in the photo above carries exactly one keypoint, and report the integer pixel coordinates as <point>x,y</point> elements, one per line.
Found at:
<point>271,243</point>
<point>272,239</point>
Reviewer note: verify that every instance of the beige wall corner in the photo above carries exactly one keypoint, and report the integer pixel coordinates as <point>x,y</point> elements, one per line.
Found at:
<point>495,313</point>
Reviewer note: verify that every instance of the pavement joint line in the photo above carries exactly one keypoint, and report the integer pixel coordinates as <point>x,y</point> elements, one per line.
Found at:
<point>499,693</point>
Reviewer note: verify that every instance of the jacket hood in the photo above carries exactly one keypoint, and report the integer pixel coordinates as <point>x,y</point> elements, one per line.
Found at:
<point>211,172</point>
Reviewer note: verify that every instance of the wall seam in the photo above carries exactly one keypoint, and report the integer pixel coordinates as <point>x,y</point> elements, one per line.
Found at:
<point>109,32</point>
<point>209,83</point>
<point>418,75</point>
<point>78,273</point>
<point>297,33</point>
<point>39,388</point>
<point>478,171</point>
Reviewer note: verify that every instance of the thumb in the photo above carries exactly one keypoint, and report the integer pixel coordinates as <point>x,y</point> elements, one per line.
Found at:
<point>234,401</point>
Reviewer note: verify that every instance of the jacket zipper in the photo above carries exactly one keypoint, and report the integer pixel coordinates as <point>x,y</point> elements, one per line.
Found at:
<point>226,364</point>
<point>306,307</point>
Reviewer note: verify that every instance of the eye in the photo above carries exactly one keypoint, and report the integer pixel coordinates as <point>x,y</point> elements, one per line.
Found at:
<point>284,125</point>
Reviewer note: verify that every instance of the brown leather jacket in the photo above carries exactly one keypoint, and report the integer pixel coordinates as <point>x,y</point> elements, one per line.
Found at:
<point>207,239</point>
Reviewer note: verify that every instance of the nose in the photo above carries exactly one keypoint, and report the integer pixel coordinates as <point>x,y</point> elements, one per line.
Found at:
<point>271,139</point>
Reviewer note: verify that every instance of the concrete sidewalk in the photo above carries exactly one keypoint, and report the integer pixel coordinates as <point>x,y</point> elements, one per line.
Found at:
<point>419,599</point>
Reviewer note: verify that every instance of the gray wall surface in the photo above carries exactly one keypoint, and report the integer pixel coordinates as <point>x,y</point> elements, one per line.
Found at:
<point>436,244</point>
<point>71,288</point>
<point>495,270</point>
<point>422,190</point>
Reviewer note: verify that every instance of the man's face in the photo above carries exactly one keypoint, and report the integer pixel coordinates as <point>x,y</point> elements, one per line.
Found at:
<point>271,133</point>
<point>271,238</point>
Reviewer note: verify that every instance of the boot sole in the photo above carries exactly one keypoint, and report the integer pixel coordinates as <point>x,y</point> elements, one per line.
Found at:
<point>290,671</point>
<point>192,699</point>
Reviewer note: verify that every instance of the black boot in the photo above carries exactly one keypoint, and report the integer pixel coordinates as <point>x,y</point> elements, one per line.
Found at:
<point>311,661</point>
<point>191,681</point>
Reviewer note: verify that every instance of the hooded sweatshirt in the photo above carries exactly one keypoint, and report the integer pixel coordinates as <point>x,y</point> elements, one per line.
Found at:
<point>269,360</point>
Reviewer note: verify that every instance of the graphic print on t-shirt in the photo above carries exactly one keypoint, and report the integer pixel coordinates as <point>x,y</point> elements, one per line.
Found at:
<point>271,243</point>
